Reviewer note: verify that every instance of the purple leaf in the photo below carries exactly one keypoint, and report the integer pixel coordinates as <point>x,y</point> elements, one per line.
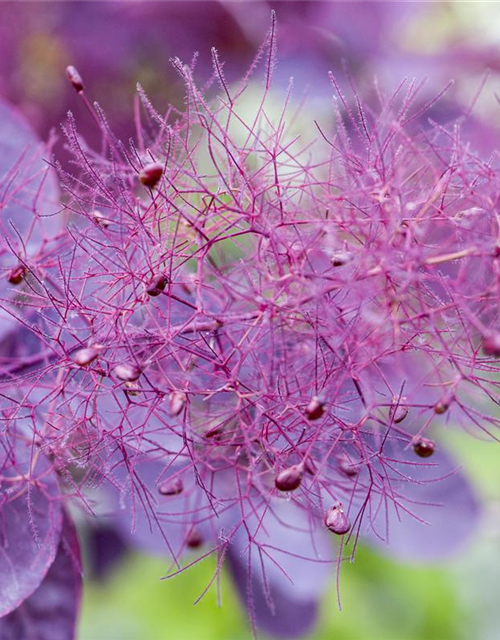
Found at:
<point>29,202</point>
<point>148,519</point>
<point>282,591</point>
<point>436,510</point>
<point>105,548</point>
<point>50,613</point>
<point>29,190</point>
<point>30,524</point>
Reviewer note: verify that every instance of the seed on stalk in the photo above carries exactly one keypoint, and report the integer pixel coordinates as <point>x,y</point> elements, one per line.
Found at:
<point>441,407</point>
<point>213,432</point>
<point>127,372</point>
<point>424,447</point>
<point>310,466</point>
<point>132,388</point>
<point>347,467</point>
<point>491,344</point>
<point>151,174</point>
<point>341,258</point>
<point>157,284</point>
<point>315,409</point>
<point>75,78</point>
<point>336,520</point>
<point>290,479</point>
<point>100,219</point>
<point>398,412</point>
<point>17,274</point>
<point>171,487</point>
<point>194,539</point>
<point>85,356</point>
<point>177,402</point>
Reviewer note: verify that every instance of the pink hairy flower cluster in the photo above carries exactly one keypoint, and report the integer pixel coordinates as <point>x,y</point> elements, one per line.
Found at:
<point>246,341</point>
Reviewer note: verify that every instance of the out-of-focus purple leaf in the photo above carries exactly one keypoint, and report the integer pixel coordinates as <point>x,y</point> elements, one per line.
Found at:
<point>51,612</point>
<point>29,201</point>
<point>30,523</point>
<point>281,591</point>
<point>105,548</point>
<point>290,618</point>
<point>435,513</point>
<point>29,191</point>
<point>148,520</point>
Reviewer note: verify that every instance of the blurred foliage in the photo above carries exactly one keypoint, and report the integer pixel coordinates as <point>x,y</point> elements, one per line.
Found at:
<point>380,601</point>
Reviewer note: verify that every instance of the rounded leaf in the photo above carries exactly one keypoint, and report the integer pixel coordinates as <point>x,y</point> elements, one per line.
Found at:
<point>51,612</point>
<point>30,524</point>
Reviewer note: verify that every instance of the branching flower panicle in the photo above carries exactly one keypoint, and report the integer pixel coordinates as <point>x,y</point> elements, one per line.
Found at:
<point>248,339</point>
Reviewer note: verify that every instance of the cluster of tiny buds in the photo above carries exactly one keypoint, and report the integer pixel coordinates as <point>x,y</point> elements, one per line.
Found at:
<point>394,320</point>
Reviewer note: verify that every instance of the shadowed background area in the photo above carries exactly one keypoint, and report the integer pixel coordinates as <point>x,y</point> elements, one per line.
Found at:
<point>114,45</point>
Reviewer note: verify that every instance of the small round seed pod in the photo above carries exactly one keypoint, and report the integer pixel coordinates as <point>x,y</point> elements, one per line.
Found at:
<point>132,388</point>
<point>400,414</point>
<point>491,344</point>
<point>100,219</point>
<point>176,402</point>
<point>398,411</point>
<point>75,78</point>
<point>151,174</point>
<point>127,372</point>
<point>289,479</point>
<point>156,285</point>
<point>171,487</point>
<point>310,466</point>
<point>347,467</point>
<point>85,356</point>
<point>315,409</point>
<point>214,432</point>
<point>341,258</point>
<point>336,520</point>
<point>423,447</point>
<point>441,407</point>
<point>194,539</point>
<point>17,274</point>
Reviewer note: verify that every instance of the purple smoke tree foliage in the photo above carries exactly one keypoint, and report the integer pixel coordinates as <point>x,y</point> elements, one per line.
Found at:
<point>225,340</point>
